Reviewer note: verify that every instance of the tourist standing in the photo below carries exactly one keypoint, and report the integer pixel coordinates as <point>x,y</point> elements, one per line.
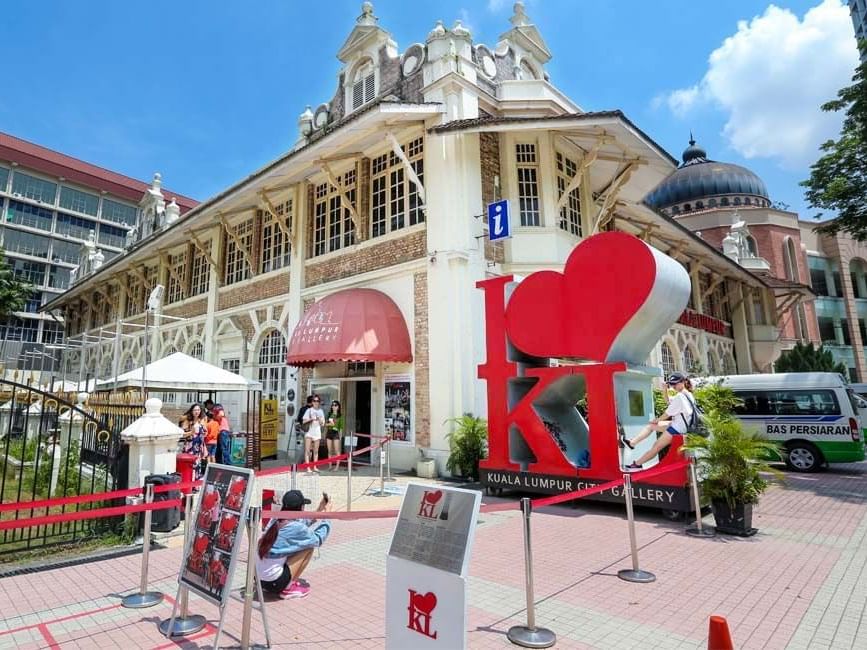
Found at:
<point>333,432</point>
<point>314,420</point>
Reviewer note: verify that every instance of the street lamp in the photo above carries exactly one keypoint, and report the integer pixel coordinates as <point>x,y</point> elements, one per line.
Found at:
<point>154,301</point>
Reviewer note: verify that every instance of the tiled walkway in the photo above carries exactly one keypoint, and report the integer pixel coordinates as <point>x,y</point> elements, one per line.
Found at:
<point>800,583</point>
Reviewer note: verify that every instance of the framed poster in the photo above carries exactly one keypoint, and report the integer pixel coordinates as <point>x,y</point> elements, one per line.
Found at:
<point>398,408</point>
<point>210,556</point>
<point>269,424</point>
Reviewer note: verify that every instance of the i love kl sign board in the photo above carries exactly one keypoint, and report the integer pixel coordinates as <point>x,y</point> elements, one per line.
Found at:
<point>426,568</point>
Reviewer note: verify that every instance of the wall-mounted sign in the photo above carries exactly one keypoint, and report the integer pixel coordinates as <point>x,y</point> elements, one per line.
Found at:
<point>426,568</point>
<point>210,556</point>
<point>398,408</point>
<point>499,226</point>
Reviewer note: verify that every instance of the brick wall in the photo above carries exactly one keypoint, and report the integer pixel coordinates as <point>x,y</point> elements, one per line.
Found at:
<point>188,309</point>
<point>489,152</point>
<point>421,362</point>
<point>245,324</point>
<point>373,257</point>
<point>253,290</point>
<point>389,73</point>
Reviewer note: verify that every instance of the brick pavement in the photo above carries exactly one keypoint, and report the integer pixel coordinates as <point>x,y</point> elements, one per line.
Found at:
<point>800,583</point>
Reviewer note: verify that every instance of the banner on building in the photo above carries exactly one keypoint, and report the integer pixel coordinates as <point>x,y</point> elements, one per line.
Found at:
<point>398,408</point>
<point>269,426</point>
<point>426,568</point>
<point>218,526</point>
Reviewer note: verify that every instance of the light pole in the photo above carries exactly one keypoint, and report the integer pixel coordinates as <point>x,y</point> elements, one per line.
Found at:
<point>154,301</point>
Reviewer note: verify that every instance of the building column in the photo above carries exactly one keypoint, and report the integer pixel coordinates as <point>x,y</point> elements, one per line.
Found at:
<point>210,330</point>
<point>852,317</point>
<point>740,329</point>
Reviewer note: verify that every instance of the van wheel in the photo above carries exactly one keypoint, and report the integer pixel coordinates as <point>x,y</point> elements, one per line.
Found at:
<point>803,457</point>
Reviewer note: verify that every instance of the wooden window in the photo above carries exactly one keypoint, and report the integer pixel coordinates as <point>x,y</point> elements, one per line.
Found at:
<point>200,271</point>
<point>237,268</point>
<point>332,222</point>
<point>177,277</point>
<point>528,184</point>
<point>275,244</point>
<point>394,199</point>
<point>570,213</point>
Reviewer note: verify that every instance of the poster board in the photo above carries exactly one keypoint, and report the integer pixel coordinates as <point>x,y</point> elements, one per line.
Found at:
<point>398,408</point>
<point>211,553</point>
<point>269,425</point>
<point>426,568</point>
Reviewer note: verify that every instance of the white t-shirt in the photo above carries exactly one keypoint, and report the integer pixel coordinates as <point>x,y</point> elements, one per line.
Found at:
<point>679,411</point>
<point>312,416</point>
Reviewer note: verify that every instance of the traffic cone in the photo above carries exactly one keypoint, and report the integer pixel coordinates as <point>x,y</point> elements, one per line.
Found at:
<point>718,635</point>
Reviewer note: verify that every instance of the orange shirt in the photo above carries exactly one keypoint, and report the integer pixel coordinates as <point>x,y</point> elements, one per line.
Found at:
<point>212,433</point>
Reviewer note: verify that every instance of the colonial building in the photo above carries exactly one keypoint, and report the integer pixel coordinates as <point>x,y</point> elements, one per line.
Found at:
<point>52,206</point>
<point>356,254</point>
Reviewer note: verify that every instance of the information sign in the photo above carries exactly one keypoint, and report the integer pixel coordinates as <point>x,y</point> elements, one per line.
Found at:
<point>212,550</point>
<point>269,425</point>
<point>426,569</point>
<point>499,226</point>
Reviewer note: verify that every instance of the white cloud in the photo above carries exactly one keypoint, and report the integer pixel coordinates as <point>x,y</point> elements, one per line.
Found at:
<point>495,5</point>
<point>770,78</point>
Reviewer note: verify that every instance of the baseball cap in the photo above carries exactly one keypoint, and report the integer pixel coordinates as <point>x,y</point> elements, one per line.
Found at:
<point>676,378</point>
<point>294,500</point>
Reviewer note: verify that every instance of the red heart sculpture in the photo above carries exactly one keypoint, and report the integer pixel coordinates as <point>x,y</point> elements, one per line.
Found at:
<point>433,497</point>
<point>580,312</point>
<point>424,603</point>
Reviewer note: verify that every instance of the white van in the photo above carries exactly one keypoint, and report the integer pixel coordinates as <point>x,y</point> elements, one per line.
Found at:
<point>814,416</point>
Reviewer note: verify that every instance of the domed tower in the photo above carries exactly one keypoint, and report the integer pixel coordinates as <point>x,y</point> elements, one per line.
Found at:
<point>700,184</point>
<point>728,206</point>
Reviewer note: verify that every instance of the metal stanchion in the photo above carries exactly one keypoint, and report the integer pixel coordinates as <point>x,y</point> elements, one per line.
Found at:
<point>634,574</point>
<point>183,623</point>
<point>700,530</point>
<point>144,598</point>
<point>530,636</point>
<point>349,475</point>
<point>293,476</point>
<point>387,448</point>
<point>254,519</point>
<point>382,492</point>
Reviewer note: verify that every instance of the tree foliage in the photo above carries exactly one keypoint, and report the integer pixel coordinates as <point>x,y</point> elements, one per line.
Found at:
<point>14,293</point>
<point>806,358</point>
<point>838,179</point>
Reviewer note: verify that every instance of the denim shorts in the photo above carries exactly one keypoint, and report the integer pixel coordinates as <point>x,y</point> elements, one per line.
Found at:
<point>212,449</point>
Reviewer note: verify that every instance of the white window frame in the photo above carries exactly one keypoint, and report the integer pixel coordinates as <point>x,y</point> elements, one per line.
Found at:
<point>394,200</point>
<point>362,87</point>
<point>529,217</point>
<point>272,369</point>
<point>276,247</point>
<point>236,267</point>
<point>333,228</point>
<point>570,214</point>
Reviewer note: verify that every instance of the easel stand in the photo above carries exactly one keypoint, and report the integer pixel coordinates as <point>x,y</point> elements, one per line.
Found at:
<point>186,623</point>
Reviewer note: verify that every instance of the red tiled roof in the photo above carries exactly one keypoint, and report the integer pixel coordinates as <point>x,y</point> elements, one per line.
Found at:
<point>53,163</point>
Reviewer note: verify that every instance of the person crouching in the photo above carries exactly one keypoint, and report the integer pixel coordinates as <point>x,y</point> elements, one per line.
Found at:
<point>286,548</point>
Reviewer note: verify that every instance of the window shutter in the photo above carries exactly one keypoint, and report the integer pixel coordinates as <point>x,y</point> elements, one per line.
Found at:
<point>369,89</point>
<point>357,94</point>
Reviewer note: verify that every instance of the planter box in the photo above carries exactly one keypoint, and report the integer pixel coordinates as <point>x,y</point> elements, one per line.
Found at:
<point>426,468</point>
<point>734,521</point>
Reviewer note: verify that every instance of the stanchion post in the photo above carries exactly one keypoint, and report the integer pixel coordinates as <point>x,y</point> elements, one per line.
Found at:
<point>349,474</point>
<point>530,636</point>
<point>254,518</point>
<point>181,623</point>
<point>382,492</point>
<point>700,530</point>
<point>388,476</point>
<point>145,598</point>
<point>635,574</point>
<point>292,476</point>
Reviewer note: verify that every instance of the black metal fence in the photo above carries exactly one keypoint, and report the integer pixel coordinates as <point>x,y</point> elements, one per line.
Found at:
<point>51,448</point>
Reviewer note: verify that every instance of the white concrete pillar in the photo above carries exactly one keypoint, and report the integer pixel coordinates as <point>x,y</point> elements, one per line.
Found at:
<point>153,444</point>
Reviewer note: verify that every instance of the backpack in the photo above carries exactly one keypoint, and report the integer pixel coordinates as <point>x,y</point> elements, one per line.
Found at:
<point>300,423</point>
<point>697,422</point>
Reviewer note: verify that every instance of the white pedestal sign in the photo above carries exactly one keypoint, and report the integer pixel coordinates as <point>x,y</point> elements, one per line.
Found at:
<point>426,569</point>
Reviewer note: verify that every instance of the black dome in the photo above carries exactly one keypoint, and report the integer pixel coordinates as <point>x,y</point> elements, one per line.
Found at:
<point>698,178</point>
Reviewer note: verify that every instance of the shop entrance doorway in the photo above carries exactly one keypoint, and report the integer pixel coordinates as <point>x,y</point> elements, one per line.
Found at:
<point>354,395</point>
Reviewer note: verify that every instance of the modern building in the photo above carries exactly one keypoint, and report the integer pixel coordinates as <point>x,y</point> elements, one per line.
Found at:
<point>838,268</point>
<point>52,205</point>
<point>858,9</point>
<point>721,201</point>
<point>356,254</point>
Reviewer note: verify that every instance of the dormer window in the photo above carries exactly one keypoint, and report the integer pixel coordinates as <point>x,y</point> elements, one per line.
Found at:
<point>363,89</point>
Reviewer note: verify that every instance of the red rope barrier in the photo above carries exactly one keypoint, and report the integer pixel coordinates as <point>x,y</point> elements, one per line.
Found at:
<point>87,514</point>
<point>657,470</point>
<point>577,494</point>
<point>66,501</point>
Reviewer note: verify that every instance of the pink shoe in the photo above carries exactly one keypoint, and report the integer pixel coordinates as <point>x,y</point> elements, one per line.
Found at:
<point>295,590</point>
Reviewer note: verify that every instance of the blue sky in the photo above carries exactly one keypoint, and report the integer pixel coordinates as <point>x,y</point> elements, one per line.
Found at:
<point>206,91</point>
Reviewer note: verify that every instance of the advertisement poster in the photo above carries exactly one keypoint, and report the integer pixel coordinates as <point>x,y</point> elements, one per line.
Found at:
<point>398,408</point>
<point>209,559</point>
<point>269,424</point>
<point>426,568</point>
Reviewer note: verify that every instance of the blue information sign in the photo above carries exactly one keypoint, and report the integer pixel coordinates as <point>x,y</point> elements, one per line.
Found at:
<point>499,226</point>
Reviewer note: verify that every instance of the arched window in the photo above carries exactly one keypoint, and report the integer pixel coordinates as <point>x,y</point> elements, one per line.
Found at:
<point>752,246</point>
<point>197,351</point>
<point>666,358</point>
<point>675,210</point>
<point>724,200</point>
<point>687,207</point>
<point>688,358</point>
<point>527,71</point>
<point>790,261</point>
<point>711,203</point>
<point>699,205</point>
<point>737,200</point>
<point>363,88</point>
<point>747,201</point>
<point>712,363</point>
<point>272,365</point>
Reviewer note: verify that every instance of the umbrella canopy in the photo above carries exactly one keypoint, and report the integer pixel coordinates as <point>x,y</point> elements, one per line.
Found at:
<point>181,372</point>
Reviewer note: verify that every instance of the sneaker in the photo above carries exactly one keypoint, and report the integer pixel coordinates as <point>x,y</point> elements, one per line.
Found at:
<point>633,467</point>
<point>295,590</point>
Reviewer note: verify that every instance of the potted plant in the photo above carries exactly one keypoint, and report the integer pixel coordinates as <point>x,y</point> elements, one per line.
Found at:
<point>730,461</point>
<point>468,444</point>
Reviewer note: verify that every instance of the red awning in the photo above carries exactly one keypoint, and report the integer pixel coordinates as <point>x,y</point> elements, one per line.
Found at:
<point>350,325</point>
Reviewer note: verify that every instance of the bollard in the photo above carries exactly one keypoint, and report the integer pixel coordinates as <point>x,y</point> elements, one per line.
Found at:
<point>634,574</point>
<point>293,473</point>
<point>254,516</point>
<point>144,598</point>
<point>530,636</point>
<point>183,623</point>
<point>382,492</point>
<point>387,448</point>
<point>349,476</point>
<point>700,530</point>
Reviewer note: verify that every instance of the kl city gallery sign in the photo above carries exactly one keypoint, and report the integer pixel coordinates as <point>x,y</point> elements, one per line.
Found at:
<point>600,318</point>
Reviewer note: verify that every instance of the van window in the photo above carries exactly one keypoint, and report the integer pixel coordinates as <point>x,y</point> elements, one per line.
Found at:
<point>788,402</point>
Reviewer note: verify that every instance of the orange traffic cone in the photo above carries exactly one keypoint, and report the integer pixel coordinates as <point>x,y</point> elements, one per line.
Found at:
<point>718,635</point>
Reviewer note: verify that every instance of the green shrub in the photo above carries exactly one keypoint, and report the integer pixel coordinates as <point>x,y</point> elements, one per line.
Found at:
<point>468,444</point>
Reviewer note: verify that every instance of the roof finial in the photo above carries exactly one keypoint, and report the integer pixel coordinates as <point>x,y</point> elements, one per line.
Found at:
<point>691,139</point>
<point>367,17</point>
<point>520,18</point>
